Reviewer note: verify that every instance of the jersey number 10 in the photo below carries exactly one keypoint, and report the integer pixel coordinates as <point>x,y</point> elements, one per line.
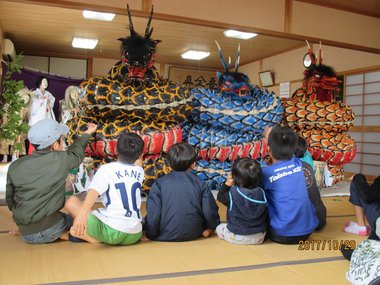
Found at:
<point>124,197</point>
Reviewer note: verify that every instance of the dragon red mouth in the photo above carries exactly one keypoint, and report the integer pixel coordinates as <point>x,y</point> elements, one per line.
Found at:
<point>136,72</point>
<point>241,92</point>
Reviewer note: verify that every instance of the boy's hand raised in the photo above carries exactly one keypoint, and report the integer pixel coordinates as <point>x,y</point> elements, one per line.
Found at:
<point>91,128</point>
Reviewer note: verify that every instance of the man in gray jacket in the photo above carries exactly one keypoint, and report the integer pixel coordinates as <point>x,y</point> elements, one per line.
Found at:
<point>35,190</point>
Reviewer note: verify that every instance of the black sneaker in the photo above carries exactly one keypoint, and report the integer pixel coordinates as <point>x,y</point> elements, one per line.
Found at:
<point>75,239</point>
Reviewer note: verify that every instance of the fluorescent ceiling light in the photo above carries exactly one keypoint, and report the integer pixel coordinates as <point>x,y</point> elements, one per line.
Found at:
<point>84,43</point>
<point>92,15</point>
<point>195,54</point>
<point>238,34</point>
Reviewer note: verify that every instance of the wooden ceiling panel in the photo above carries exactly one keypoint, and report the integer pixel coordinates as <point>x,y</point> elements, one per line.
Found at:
<point>46,30</point>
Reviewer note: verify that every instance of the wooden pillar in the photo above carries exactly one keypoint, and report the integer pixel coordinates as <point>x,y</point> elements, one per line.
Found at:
<point>146,5</point>
<point>288,16</point>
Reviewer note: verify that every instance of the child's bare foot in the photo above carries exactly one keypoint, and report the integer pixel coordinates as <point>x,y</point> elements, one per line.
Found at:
<point>207,233</point>
<point>64,236</point>
<point>14,232</point>
<point>85,237</point>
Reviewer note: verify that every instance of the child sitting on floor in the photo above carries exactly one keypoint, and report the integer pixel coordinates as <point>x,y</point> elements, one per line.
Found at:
<point>303,153</point>
<point>365,259</point>
<point>35,190</point>
<point>366,200</point>
<point>311,182</point>
<point>180,206</point>
<point>119,185</point>
<point>246,203</point>
<point>292,216</point>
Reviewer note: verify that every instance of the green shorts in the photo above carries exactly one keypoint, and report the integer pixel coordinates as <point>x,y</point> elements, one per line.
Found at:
<point>101,232</point>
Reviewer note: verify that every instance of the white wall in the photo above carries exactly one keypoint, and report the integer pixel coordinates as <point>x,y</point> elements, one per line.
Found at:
<point>67,67</point>
<point>36,62</point>
<point>74,68</point>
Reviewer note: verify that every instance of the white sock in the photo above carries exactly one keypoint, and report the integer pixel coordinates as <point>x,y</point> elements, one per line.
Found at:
<point>354,228</point>
<point>349,223</point>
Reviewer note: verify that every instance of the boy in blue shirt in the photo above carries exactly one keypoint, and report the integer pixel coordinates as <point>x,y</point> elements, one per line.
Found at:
<point>291,214</point>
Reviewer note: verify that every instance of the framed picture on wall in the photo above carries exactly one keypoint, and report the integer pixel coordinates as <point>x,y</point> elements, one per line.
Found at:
<point>194,77</point>
<point>266,78</point>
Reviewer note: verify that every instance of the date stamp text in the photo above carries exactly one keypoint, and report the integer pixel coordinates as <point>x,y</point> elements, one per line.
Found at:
<point>323,244</point>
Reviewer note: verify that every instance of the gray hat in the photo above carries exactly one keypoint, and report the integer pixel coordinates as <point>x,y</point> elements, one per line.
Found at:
<point>45,132</point>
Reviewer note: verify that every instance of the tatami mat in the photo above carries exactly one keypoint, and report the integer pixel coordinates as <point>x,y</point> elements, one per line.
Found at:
<point>204,261</point>
<point>340,189</point>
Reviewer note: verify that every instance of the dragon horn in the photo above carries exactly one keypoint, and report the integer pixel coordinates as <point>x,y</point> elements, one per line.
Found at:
<point>148,32</point>
<point>237,59</point>
<point>131,29</point>
<point>313,59</point>
<point>308,46</point>
<point>221,57</point>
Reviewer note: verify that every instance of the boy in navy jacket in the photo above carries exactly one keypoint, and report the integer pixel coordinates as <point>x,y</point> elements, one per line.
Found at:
<point>180,206</point>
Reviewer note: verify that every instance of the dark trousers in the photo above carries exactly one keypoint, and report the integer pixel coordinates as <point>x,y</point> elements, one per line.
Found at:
<point>286,240</point>
<point>367,197</point>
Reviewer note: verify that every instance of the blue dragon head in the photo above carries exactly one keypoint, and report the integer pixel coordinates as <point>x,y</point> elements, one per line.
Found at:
<point>233,82</point>
<point>138,52</point>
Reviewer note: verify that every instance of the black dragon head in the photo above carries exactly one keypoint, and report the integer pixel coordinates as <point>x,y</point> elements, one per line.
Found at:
<point>138,52</point>
<point>233,82</point>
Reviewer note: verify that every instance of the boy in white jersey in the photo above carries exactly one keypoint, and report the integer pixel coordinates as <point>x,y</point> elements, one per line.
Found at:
<point>119,185</point>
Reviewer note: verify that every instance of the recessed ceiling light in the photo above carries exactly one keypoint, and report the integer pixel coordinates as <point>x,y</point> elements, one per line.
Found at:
<point>84,43</point>
<point>92,15</point>
<point>238,34</point>
<point>195,54</point>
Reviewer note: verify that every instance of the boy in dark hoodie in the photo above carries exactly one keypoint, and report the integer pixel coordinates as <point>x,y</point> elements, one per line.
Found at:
<point>246,203</point>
